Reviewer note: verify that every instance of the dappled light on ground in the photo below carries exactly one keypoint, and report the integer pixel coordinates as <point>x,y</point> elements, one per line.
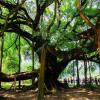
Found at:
<point>69,94</point>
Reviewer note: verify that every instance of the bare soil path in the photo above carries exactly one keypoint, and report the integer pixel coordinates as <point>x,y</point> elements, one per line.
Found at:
<point>69,94</point>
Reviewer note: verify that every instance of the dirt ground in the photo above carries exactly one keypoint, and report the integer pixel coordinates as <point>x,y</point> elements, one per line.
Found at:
<point>69,94</point>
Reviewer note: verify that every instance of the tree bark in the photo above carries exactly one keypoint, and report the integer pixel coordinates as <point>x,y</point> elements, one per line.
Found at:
<point>41,75</point>
<point>18,76</point>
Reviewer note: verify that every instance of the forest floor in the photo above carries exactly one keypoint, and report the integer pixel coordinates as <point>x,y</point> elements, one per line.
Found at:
<point>68,94</point>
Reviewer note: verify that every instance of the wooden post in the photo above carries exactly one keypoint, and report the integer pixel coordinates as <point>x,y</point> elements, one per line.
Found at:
<point>41,75</point>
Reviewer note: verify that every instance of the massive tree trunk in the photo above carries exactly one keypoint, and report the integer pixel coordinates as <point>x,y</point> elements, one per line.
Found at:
<point>52,73</point>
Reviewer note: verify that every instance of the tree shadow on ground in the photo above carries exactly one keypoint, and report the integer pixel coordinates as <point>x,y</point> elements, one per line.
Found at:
<point>68,94</point>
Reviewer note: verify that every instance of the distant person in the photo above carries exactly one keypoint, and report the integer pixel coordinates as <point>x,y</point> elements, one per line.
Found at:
<point>72,80</point>
<point>99,81</point>
<point>66,82</point>
<point>96,81</point>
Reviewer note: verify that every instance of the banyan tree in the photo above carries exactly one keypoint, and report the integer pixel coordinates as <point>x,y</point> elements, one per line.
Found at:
<point>58,31</point>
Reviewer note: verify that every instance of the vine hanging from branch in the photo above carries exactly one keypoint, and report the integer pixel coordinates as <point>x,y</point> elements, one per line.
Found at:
<point>54,17</point>
<point>88,22</point>
<point>82,15</point>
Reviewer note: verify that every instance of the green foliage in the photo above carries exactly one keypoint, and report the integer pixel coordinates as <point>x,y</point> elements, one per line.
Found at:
<point>63,36</point>
<point>12,64</point>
